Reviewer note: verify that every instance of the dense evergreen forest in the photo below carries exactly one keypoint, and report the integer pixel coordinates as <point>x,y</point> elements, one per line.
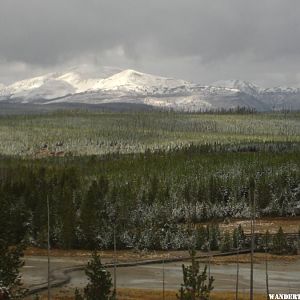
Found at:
<point>153,198</point>
<point>76,133</point>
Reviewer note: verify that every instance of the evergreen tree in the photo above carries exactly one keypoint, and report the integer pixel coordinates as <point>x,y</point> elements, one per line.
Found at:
<point>196,285</point>
<point>68,219</point>
<point>298,242</point>
<point>238,237</point>
<point>77,295</point>
<point>280,245</point>
<point>100,282</point>
<point>213,232</point>
<point>93,213</point>
<point>264,194</point>
<point>153,189</point>
<point>267,241</point>
<point>226,243</point>
<point>10,264</point>
<point>201,238</point>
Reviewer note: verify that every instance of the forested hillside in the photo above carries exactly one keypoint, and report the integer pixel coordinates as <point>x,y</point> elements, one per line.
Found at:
<point>97,133</point>
<point>154,198</point>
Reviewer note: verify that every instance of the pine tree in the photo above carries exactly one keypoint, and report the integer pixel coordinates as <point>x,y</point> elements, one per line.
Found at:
<point>93,213</point>
<point>213,236</point>
<point>196,285</point>
<point>226,243</point>
<point>238,237</point>
<point>201,238</point>
<point>10,264</point>
<point>298,242</point>
<point>100,282</point>
<point>77,295</point>
<point>280,245</point>
<point>68,220</point>
<point>264,194</point>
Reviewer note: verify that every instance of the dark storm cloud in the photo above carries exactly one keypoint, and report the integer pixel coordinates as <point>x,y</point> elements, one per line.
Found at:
<point>195,39</point>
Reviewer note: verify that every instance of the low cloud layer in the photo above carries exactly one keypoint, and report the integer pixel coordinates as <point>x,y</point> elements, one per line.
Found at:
<point>198,40</point>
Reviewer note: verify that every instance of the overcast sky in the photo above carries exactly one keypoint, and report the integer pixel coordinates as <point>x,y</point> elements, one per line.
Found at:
<point>198,40</point>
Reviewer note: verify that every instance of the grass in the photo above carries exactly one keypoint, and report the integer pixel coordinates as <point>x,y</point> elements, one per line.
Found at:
<point>258,258</point>
<point>289,225</point>
<point>132,256</point>
<point>122,255</point>
<point>138,294</point>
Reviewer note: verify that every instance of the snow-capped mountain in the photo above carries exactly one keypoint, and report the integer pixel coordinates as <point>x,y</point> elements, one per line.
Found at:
<point>111,85</point>
<point>243,86</point>
<point>274,98</point>
<point>141,83</point>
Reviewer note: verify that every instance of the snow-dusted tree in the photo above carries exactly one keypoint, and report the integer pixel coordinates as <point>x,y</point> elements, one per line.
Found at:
<point>238,237</point>
<point>201,238</point>
<point>99,285</point>
<point>10,278</point>
<point>226,242</point>
<point>280,244</point>
<point>213,232</point>
<point>196,284</point>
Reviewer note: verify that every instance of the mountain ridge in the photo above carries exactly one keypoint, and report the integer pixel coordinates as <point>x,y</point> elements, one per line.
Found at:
<point>130,86</point>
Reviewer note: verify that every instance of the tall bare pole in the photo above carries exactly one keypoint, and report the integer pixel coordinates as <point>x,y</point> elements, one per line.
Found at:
<point>267,275</point>
<point>48,246</point>
<point>252,199</point>
<point>163,279</point>
<point>266,262</point>
<point>115,261</point>
<point>237,273</point>
<point>209,256</point>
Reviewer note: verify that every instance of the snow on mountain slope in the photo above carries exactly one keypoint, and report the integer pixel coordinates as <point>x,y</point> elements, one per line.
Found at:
<point>281,98</point>
<point>49,90</point>
<point>21,88</point>
<point>77,82</point>
<point>84,78</point>
<point>54,85</point>
<point>2,88</point>
<point>180,103</point>
<point>110,85</point>
<point>140,83</point>
<point>240,85</point>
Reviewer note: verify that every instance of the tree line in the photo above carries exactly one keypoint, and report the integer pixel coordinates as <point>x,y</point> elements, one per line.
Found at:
<point>150,199</point>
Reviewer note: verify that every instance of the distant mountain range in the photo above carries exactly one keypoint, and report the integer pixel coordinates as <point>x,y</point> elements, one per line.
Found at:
<point>114,86</point>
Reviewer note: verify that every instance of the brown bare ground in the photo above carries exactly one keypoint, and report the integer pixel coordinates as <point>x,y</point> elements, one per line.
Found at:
<point>258,258</point>
<point>133,256</point>
<point>289,225</point>
<point>137,294</point>
<point>122,255</point>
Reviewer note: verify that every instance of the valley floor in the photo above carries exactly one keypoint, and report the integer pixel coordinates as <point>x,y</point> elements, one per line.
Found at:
<point>284,276</point>
<point>138,294</point>
<point>145,281</point>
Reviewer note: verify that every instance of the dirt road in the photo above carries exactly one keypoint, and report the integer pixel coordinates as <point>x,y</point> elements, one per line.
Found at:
<point>284,277</point>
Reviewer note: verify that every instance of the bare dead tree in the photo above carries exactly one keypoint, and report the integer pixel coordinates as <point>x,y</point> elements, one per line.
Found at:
<point>48,246</point>
<point>163,279</point>
<point>209,254</point>
<point>252,200</point>
<point>266,263</point>
<point>237,271</point>
<point>115,260</point>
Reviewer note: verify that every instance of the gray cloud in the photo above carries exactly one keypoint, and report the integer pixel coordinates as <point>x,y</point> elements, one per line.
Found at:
<point>199,40</point>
